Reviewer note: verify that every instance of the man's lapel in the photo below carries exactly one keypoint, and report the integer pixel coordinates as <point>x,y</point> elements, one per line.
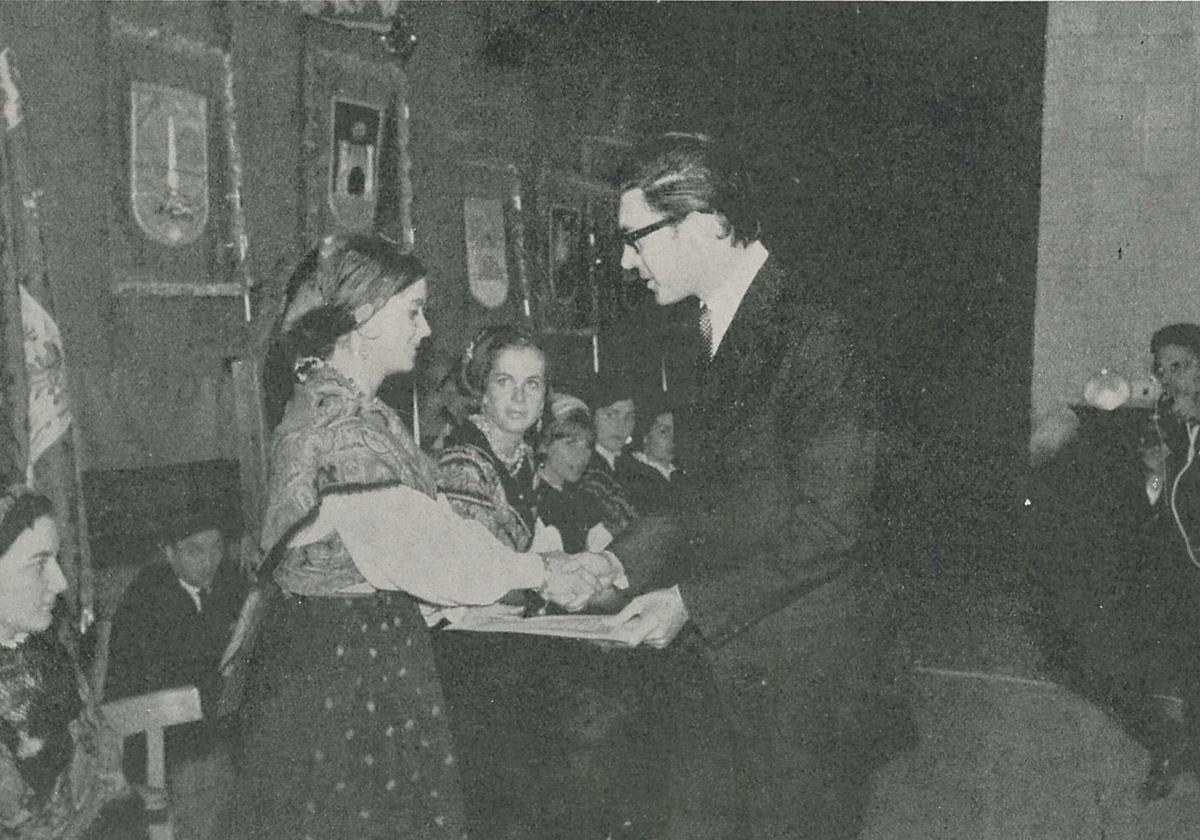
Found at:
<point>731,380</point>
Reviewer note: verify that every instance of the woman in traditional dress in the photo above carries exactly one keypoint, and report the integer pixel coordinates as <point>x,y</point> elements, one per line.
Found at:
<point>58,764</point>
<point>347,731</point>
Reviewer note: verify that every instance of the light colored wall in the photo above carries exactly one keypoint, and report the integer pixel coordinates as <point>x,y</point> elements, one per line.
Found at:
<point>1118,235</point>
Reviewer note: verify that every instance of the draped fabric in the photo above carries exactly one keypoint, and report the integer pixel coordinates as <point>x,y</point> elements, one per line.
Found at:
<point>38,447</point>
<point>332,439</point>
<point>58,764</point>
<point>479,487</point>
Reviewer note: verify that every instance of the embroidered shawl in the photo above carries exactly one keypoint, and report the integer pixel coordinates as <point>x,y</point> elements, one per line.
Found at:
<point>480,487</point>
<point>58,763</point>
<point>333,439</point>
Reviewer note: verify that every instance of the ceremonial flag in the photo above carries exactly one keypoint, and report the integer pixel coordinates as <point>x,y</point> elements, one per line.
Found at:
<point>38,446</point>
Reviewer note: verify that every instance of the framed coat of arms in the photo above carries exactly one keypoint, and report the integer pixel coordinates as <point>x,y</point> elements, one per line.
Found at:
<point>173,229</point>
<point>355,155</point>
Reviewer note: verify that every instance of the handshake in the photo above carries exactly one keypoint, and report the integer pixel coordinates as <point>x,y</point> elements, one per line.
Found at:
<point>571,580</point>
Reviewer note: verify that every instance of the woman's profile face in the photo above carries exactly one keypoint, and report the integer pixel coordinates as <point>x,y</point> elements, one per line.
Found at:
<point>1179,371</point>
<point>516,389</point>
<point>392,335</point>
<point>566,458</point>
<point>30,580</point>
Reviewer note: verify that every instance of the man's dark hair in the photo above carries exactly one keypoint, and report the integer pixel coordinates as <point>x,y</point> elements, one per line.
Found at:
<point>690,173</point>
<point>1186,336</point>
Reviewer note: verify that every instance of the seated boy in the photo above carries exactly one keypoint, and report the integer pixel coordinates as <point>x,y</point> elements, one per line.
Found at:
<point>170,630</point>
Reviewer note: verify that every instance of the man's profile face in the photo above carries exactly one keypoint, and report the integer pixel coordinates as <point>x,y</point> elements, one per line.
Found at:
<point>664,258</point>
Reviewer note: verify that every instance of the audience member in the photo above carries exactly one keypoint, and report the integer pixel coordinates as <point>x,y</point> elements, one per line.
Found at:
<point>500,701</point>
<point>58,764</point>
<point>346,727</point>
<point>564,449</point>
<point>647,474</point>
<point>1154,627</point>
<point>172,625</point>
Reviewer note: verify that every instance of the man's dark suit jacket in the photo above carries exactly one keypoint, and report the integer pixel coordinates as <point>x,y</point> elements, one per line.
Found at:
<point>780,443</point>
<point>780,446</point>
<point>159,640</point>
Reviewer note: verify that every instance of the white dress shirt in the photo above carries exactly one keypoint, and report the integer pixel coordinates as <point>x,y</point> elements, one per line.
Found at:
<point>722,303</point>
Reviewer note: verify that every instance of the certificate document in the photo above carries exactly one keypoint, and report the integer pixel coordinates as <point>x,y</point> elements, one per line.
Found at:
<point>567,626</point>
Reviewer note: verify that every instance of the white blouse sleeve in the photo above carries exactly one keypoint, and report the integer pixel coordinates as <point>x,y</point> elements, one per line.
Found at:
<point>402,539</point>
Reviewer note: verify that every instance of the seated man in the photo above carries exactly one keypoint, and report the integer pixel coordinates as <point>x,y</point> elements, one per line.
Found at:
<point>170,630</point>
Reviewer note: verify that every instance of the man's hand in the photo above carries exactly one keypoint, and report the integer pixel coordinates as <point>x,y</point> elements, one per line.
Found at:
<point>573,579</point>
<point>653,619</point>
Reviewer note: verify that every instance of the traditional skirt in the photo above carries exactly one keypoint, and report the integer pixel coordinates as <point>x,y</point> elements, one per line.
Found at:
<point>346,731</point>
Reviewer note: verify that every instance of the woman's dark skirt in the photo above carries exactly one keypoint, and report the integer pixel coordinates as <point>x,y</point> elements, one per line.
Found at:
<point>346,730</point>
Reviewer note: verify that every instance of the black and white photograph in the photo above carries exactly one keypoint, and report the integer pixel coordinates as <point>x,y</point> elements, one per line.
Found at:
<point>563,420</point>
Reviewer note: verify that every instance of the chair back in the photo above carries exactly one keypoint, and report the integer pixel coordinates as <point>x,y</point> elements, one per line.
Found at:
<point>152,714</point>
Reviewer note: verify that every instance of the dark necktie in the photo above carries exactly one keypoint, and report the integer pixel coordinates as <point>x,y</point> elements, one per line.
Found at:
<point>706,332</point>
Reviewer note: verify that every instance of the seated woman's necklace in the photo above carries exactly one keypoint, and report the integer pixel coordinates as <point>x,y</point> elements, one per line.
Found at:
<point>512,460</point>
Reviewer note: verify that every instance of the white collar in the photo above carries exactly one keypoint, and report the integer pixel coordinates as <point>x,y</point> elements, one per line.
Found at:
<point>610,458</point>
<point>192,591</point>
<point>722,302</point>
<point>664,470</point>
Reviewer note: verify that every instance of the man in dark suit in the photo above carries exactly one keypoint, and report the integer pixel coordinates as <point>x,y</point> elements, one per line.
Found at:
<point>762,574</point>
<point>173,623</point>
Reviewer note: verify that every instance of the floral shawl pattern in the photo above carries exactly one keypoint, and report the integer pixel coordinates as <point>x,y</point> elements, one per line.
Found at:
<point>64,805</point>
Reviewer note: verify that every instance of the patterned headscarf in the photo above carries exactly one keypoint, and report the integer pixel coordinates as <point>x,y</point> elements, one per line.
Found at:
<point>9,530</point>
<point>360,271</point>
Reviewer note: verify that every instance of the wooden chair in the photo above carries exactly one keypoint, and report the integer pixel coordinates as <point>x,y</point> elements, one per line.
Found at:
<point>152,714</point>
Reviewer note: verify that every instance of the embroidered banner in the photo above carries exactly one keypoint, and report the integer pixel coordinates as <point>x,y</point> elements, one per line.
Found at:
<point>354,185</point>
<point>487,264</point>
<point>168,169</point>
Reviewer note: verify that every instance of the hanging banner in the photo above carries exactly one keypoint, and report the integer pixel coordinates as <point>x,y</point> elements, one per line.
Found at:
<point>168,172</point>
<point>487,265</point>
<point>354,185</point>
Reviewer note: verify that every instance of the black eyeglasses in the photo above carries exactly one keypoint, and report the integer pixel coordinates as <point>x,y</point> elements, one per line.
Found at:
<point>630,237</point>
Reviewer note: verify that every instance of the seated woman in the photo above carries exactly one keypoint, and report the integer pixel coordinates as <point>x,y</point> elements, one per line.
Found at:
<point>497,685</point>
<point>564,448</point>
<point>486,466</point>
<point>646,475</point>
<point>613,414</point>
<point>613,726</point>
<point>346,730</point>
<point>58,764</point>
